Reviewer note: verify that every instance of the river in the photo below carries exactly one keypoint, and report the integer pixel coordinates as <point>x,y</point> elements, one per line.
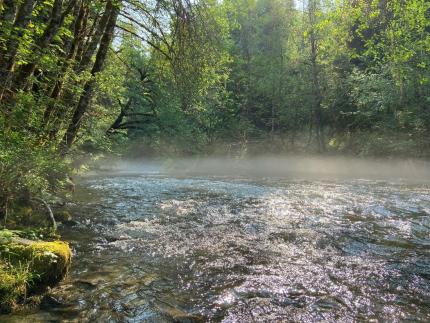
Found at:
<point>155,247</point>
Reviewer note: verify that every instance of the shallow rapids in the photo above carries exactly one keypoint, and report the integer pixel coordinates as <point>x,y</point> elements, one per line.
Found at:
<point>159,248</point>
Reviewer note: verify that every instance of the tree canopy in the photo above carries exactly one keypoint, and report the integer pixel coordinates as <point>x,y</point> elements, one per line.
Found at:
<point>180,77</point>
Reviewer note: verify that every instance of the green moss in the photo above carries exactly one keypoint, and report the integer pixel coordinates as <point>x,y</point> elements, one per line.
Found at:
<point>5,236</point>
<point>59,256</point>
<point>29,265</point>
<point>48,261</point>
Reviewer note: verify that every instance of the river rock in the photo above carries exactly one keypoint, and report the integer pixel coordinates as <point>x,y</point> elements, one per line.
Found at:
<point>26,263</point>
<point>48,261</point>
<point>63,216</point>
<point>49,301</point>
<point>177,315</point>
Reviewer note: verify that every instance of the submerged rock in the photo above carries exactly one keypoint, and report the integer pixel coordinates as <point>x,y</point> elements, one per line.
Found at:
<point>178,315</point>
<point>49,301</point>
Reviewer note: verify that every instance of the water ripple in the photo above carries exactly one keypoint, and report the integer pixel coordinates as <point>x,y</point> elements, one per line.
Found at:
<point>160,248</point>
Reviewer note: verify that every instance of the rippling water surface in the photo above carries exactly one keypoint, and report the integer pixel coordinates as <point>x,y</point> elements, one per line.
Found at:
<point>158,248</point>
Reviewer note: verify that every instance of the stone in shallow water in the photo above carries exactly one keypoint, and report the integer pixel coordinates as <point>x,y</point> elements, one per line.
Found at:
<point>49,301</point>
<point>177,315</point>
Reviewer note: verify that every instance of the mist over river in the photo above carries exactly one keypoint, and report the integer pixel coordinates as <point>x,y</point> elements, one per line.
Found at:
<point>248,242</point>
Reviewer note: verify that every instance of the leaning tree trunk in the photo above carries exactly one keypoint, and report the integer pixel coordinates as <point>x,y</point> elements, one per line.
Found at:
<point>87,94</point>
<point>52,113</point>
<point>8,56</point>
<point>9,12</point>
<point>88,52</point>
<point>86,32</point>
<point>55,23</point>
<point>58,86</point>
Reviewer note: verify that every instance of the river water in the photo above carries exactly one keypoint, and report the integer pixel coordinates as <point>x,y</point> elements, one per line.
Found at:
<point>153,247</point>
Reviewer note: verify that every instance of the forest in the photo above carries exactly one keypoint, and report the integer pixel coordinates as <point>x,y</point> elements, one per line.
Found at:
<point>84,80</point>
<point>237,77</point>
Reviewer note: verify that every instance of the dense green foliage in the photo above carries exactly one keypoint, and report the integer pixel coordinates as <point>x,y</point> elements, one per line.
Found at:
<point>172,77</point>
<point>271,76</point>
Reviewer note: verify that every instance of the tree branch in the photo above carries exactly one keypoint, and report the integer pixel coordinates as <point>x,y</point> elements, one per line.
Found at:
<point>147,41</point>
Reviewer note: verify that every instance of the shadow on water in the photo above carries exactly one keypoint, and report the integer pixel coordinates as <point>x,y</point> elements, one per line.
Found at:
<point>178,246</point>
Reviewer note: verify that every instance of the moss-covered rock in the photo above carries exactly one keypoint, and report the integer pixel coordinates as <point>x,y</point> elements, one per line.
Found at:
<point>63,216</point>
<point>48,261</point>
<point>29,265</point>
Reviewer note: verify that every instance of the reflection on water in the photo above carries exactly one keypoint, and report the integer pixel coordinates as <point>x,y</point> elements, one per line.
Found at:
<point>159,248</point>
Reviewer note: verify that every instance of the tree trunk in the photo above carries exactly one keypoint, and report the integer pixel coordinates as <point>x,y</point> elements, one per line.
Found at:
<point>317,98</point>
<point>118,121</point>
<point>84,45</point>
<point>56,21</point>
<point>88,53</point>
<point>8,56</point>
<point>9,12</point>
<point>317,112</point>
<point>84,34</point>
<point>58,87</point>
<point>87,94</point>
<point>67,42</point>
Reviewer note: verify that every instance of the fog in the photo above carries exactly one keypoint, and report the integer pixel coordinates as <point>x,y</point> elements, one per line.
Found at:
<point>311,167</point>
